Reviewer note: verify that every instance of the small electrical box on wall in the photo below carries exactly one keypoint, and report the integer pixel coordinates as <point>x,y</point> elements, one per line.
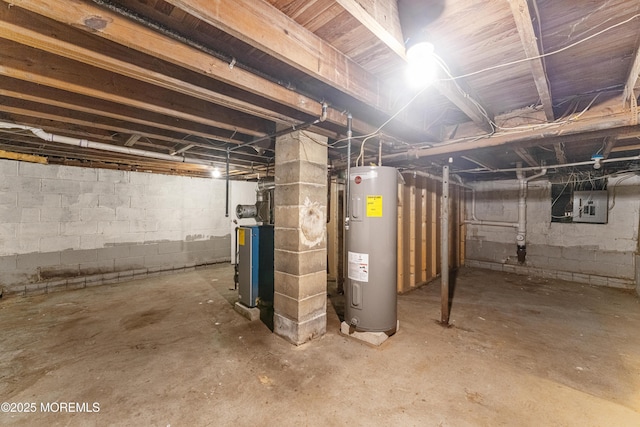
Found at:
<point>590,206</point>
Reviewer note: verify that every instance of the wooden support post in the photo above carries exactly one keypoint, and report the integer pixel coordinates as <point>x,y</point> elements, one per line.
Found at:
<point>433,243</point>
<point>400,280</point>
<point>423,230</point>
<point>444,278</point>
<point>410,233</point>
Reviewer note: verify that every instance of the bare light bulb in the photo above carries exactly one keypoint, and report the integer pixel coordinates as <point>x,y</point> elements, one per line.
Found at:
<point>216,173</point>
<point>421,68</point>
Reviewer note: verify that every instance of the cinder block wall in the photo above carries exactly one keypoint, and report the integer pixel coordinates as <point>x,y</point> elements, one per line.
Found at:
<point>65,227</point>
<point>598,254</point>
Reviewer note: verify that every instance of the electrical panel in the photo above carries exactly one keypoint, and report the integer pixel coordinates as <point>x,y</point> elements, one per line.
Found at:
<point>590,206</point>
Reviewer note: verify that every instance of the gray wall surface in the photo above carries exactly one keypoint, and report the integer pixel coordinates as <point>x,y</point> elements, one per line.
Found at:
<point>598,254</point>
<point>64,227</point>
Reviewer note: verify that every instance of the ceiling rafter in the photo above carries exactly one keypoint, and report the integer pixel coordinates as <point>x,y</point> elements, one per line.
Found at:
<point>561,156</point>
<point>290,43</point>
<point>45,95</point>
<point>30,30</point>
<point>135,36</point>
<point>460,97</point>
<point>609,142</point>
<point>452,91</point>
<point>616,119</point>
<point>524,154</point>
<point>297,47</point>
<point>632,78</point>
<point>54,71</point>
<point>358,12</point>
<point>524,23</point>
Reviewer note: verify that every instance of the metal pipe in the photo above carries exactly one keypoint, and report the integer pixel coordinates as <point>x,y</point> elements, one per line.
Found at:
<point>444,248</point>
<point>293,128</point>
<point>347,194</point>
<point>226,202</point>
<point>437,178</point>
<point>491,223</point>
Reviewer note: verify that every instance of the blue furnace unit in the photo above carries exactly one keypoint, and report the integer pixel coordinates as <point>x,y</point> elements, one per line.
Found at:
<point>255,264</point>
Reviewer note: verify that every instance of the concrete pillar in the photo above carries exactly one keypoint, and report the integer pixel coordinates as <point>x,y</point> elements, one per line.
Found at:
<point>300,258</point>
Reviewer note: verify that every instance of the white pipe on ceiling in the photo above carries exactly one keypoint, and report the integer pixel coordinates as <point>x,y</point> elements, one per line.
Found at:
<point>84,143</point>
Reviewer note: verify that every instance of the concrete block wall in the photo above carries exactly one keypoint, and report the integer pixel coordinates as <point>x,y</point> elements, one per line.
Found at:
<point>300,256</point>
<point>598,254</point>
<point>64,227</point>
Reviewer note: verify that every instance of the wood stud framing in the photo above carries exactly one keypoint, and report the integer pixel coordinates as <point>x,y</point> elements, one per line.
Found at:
<point>419,231</point>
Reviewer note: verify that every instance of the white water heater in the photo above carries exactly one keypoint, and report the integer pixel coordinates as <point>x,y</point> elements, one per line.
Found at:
<point>371,258</point>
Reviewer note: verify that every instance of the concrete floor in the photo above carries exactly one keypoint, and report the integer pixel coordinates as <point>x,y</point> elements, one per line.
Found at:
<point>172,351</point>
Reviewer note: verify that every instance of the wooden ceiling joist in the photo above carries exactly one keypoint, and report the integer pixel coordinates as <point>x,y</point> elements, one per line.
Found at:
<point>290,43</point>
<point>560,154</point>
<point>461,99</point>
<point>132,140</point>
<point>356,10</point>
<point>526,156</point>
<point>128,33</point>
<point>632,78</point>
<point>609,143</point>
<point>41,33</point>
<point>524,23</point>
<point>51,70</point>
<point>49,96</point>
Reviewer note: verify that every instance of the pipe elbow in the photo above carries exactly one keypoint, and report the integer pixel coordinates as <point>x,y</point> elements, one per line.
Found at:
<point>323,116</point>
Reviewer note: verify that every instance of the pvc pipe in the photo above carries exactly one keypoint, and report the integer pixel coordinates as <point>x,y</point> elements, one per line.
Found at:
<point>102,146</point>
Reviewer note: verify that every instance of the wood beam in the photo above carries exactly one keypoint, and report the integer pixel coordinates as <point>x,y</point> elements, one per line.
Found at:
<point>632,77</point>
<point>447,89</point>
<point>27,109</point>
<point>282,38</point>
<point>460,97</point>
<point>22,157</point>
<point>44,34</point>
<point>624,148</point>
<point>132,140</point>
<point>44,95</point>
<point>524,23</point>
<point>597,121</point>
<point>183,149</point>
<point>356,10</point>
<point>558,147</point>
<point>482,163</point>
<point>123,31</point>
<point>609,143</point>
<point>17,61</point>
<point>526,156</point>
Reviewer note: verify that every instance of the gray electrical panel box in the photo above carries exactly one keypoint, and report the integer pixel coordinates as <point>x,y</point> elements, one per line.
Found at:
<point>590,206</point>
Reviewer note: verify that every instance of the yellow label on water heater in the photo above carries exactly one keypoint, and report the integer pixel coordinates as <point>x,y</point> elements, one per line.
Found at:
<point>241,236</point>
<point>374,206</point>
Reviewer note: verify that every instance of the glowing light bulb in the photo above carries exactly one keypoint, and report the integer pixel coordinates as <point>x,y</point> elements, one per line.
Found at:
<point>215,173</point>
<point>421,68</point>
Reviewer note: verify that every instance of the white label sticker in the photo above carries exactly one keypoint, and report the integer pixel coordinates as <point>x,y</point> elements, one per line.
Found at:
<point>358,266</point>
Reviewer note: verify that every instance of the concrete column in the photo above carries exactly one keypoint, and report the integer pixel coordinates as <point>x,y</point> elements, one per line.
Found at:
<point>300,258</point>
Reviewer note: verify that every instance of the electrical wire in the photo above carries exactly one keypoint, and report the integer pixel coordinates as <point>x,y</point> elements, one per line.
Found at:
<point>442,64</point>
<point>545,55</point>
